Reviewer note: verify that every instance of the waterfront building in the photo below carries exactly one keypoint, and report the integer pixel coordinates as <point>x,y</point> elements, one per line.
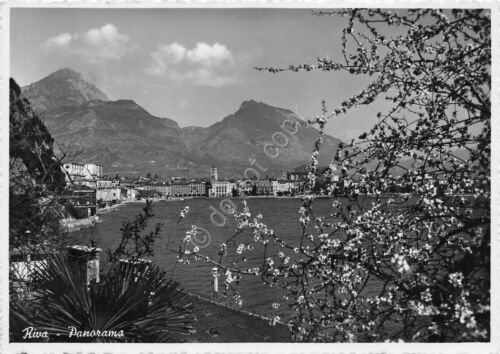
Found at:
<point>180,190</point>
<point>222,189</point>
<point>82,171</point>
<point>274,187</point>
<point>264,187</point>
<point>164,189</point>
<point>73,170</point>
<point>155,190</point>
<point>106,184</point>
<point>198,189</point>
<point>87,183</point>
<point>192,189</point>
<point>131,194</point>
<point>82,200</point>
<point>108,190</point>
<point>244,187</point>
<point>109,194</point>
<point>282,186</point>
<point>92,171</point>
<point>296,187</point>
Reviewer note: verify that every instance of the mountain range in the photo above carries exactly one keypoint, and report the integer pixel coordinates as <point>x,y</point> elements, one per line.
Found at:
<point>126,139</point>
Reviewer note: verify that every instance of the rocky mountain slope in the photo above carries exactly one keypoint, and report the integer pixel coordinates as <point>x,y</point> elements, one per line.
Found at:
<point>245,134</point>
<point>127,139</point>
<point>62,88</point>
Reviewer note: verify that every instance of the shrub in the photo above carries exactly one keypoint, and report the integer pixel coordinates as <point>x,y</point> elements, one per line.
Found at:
<point>143,306</point>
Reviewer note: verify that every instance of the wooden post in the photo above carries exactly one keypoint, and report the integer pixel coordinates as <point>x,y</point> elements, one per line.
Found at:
<point>87,257</point>
<point>215,282</point>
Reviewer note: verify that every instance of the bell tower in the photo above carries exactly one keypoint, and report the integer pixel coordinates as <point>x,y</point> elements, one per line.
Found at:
<point>213,174</point>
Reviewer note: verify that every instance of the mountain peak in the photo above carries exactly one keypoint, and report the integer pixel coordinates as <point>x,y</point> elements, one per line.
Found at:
<point>64,87</point>
<point>126,138</point>
<point>251,103</point>
<point>261,107</point>
<point>65,73</point>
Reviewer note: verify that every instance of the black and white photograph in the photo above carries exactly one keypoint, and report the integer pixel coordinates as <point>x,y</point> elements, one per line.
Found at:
<point>250,174</point>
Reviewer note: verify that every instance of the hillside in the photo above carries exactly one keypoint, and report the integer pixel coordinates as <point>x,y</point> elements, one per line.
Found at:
<point>244,135</point>
<point>64,87</point>
<point>127,139</point>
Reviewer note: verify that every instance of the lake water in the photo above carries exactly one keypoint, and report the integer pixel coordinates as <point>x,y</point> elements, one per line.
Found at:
<point>280,214</point>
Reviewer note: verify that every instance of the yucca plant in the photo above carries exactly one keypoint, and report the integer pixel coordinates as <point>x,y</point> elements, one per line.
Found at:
<point>18,319</point>
<point>143,306</point>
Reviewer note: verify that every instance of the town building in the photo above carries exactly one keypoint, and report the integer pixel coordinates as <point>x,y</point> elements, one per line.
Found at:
<point>191,189</point>
<point>108,194</point>
<point>264,188</point>
<point>296,187</point>
<point>82,200</point>
<point>244,187</point>
<point>296,176</point>
<point>82,171</point>
<point>153,191</point>
<point>222,189</point>
<point>165,190</point>
<point>282,187</point>
<point>180,190</point>
<point>131,194</point>
<point>107,184</point>
<point>108,190</point>
<point>198,189</point>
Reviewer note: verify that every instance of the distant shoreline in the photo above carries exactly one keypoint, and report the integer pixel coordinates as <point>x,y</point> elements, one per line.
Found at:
<point>275,197</point>
<point>176,199</point>
<point>118,205</point>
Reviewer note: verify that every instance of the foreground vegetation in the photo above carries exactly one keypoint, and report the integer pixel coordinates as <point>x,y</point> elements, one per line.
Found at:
<point>429,253</point>
<point>134,299</point>
<point>430,257</point>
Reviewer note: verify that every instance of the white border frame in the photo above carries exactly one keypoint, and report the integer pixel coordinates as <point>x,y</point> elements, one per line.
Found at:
<point>5,347</point>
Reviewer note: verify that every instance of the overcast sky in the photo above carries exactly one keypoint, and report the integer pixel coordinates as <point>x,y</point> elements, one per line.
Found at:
<point>191,65</point>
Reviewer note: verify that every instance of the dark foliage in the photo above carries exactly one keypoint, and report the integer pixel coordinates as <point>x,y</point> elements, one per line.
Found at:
<point>135,243</point>
<point>35,177</point>
<point>143,304</point>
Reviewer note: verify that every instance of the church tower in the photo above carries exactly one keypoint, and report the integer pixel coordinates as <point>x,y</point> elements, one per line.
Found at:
<point>213,174</point>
